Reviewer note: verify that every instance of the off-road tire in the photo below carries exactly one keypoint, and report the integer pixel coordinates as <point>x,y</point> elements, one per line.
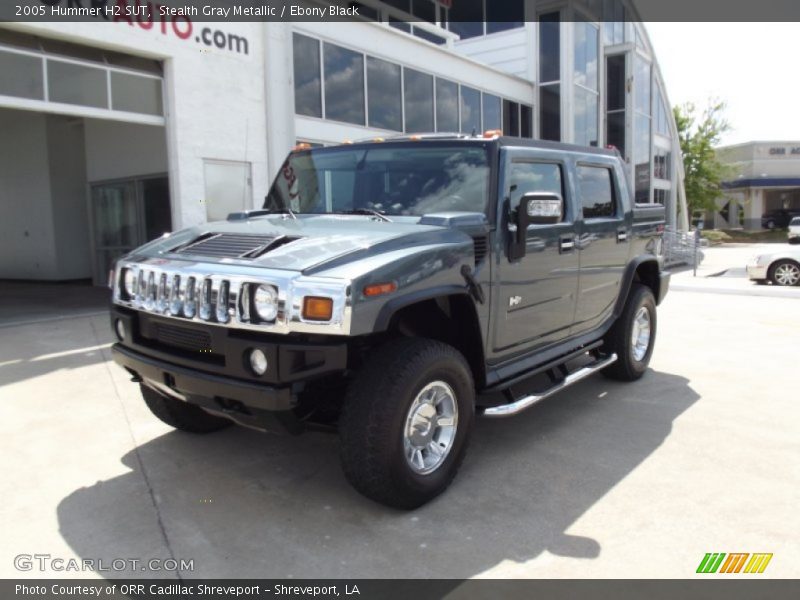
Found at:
<point>618,338</point>
<point>181,415</point>
<point>373,420</point>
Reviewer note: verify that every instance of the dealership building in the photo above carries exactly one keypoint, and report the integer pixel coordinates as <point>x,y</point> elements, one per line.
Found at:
<point>761,179</point>
<point>115,131</point>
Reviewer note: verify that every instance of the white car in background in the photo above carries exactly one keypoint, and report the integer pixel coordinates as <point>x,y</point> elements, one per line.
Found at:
<point>781,267</point>
<point>794,230</point>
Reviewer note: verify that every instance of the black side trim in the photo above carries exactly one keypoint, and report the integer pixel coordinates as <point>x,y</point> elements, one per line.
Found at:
<point>392,306</point>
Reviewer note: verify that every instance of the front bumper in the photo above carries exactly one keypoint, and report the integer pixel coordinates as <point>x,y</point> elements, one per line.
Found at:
<point>757,272</point>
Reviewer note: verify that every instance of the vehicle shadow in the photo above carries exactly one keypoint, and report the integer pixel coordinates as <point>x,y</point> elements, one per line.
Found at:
<point>245,504</point>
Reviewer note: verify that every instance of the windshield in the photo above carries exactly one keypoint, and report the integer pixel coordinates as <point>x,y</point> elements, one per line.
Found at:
<point>392,180</point>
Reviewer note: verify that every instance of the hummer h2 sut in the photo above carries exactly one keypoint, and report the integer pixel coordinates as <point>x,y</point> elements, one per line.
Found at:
<point>392,291</point>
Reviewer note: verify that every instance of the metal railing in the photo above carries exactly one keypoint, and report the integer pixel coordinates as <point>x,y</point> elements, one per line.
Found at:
<point>682,248</point>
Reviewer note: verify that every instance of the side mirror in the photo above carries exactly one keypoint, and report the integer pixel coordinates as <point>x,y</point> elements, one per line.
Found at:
<point>535,208</point>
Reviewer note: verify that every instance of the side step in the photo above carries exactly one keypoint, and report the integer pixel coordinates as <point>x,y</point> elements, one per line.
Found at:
<point>506,410</point>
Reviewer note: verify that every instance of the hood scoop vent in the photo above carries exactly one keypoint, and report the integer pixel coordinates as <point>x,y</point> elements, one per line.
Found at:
<point>233,245</point>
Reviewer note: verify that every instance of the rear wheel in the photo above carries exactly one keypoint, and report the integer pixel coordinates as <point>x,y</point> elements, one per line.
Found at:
<point>785,272</point>
<point>632,336</point>
<point>406,422</point>
<point>181,415</point>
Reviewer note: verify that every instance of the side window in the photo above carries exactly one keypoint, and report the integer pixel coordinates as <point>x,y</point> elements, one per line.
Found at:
<point>526,177</point>
<point>596,188</point>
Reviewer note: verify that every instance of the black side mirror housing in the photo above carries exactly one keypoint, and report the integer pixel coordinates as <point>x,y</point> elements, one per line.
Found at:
<point>535,208</point>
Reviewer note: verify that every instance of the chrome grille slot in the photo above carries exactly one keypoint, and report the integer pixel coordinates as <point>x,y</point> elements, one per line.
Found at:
<point>206,299</point>
<point>223,299</point>
<point>175,296</point>
<point>190,304</point>
<point>181,337</point>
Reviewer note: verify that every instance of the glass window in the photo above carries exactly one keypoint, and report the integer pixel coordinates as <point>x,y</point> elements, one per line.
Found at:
<point>528,177</point>
<point>344,85</point>
<point>424,10</point>
<point>365,12</point>
<point>77,84</point>
<point>446,106</point>
<point>550,112</point>
<point>384,94</point>
<point>307,87</point>
<point>586,39</point>
<point>470,110</point>
<point>549,47</point>
<point>400,24</point>
<point>661,196</point>
<point>466,19</point>
<point>595,185</point>
<point>404,5</point>
<point>585,117</point>
<point>21,76</point>
<point>642,85</point>
<point>136,94</point>
<point>406,179</point>
<point>613,22</point>
<point>418,101</point>
<point>501,16</point>
<point>510,118</point>
<point>615,102</point>
<point>526,121</point>
<point>662,164</point>
<point>661,124</point>
<point>641,157</point>
<point>491,112</point>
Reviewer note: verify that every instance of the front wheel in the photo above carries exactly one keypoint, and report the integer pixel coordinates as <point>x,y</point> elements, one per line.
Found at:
<point>632,336</point>
<point>785,272</point>
<point>406,422</point>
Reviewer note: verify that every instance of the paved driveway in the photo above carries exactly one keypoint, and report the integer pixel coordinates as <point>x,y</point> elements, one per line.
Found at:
<point>607,479</point>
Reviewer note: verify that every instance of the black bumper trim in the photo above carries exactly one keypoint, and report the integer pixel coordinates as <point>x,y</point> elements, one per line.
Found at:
<point>197,386</point>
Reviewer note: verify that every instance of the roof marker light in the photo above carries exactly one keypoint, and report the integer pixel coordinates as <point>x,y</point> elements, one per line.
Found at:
<point>301,146</point>
<point>492,133</point>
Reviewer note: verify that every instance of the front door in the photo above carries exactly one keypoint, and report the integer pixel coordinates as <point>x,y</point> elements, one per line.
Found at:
<point>535,298</point>
<point>126,214</point>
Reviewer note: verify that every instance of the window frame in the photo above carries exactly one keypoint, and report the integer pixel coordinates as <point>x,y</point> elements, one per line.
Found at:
<point>615,194</point>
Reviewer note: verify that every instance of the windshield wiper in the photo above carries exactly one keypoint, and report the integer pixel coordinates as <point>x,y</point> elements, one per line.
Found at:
<point>367,211</point>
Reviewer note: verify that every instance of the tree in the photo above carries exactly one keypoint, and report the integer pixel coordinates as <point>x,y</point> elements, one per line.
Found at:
<point>699,135</point>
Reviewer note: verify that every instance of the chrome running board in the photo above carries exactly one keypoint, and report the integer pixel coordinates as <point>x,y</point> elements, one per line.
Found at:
<point>506,410</point>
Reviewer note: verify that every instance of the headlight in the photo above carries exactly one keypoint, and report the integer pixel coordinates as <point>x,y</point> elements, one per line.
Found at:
<point>129,282</point>
<point>266,302</point>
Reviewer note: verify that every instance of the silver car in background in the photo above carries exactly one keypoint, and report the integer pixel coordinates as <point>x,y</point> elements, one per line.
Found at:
<point>781,267</point>
<point>794,230</point>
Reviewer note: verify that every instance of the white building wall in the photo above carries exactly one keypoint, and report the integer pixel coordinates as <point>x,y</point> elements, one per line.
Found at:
<point>121,150</point>
<point>27,240</point>
<point>67,172</point>
<point>508,51</point>
<point>214,98</point>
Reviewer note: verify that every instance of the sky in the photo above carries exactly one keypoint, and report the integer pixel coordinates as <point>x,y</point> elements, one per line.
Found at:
<point>753,67</point>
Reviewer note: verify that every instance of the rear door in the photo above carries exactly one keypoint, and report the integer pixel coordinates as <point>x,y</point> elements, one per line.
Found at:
<point>603,241</point>
<point>535,296</point>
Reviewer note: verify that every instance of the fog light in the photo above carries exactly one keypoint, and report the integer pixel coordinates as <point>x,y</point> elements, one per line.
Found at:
<point>258,361</point>
<point>119,328</point>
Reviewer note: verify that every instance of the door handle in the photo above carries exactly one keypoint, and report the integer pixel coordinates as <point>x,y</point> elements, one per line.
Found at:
<point>622,236</point>
<point>567,244</point>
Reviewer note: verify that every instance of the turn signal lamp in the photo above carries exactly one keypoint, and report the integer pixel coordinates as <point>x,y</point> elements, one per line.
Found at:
<point>316,308</point>
<point>379,289</point>
<point>492,133</point>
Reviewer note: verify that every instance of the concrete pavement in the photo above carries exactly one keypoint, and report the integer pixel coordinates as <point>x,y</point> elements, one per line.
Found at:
<point>605,480</point>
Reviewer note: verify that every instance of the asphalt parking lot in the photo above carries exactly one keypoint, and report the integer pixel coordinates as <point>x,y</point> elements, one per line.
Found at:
<point>605,480</point>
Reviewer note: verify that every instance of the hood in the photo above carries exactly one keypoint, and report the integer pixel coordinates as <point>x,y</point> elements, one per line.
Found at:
<point>308,244</point>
